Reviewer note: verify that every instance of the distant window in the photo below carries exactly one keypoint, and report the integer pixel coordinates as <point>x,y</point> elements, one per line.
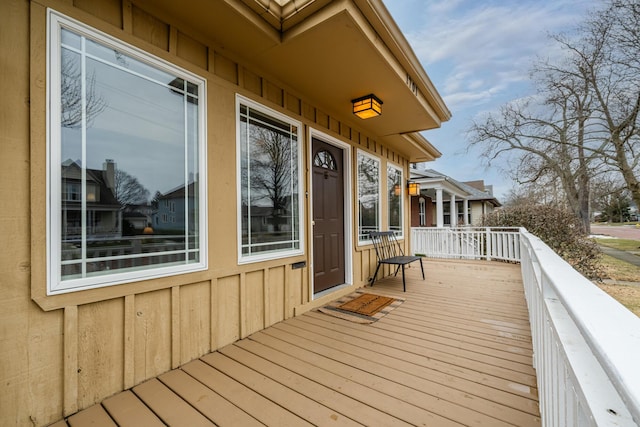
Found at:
<point>125,129</point>
<point>368,195</point>
<point>395,190</point>
<point>269,201</point>
<point>422,212</point>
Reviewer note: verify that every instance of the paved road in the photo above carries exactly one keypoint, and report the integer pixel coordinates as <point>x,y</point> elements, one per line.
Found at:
<point>622,231</point>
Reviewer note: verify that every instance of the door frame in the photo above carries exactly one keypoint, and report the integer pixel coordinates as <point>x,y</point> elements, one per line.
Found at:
<point>348,209</point>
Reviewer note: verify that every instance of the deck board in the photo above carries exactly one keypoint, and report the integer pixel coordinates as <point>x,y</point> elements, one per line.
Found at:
<point>456,352</point>
<point>420,391</point>
<point>170,407</point>
<point>277,367</point>
<point>348,381</point>
<point>94,416</point>
<point>208,402</point>
<point>250,401</point>
<point>310,410</point>
<point>128,411</point>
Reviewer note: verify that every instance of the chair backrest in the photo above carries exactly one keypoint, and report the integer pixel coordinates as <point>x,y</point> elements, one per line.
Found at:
<point>385,244</point>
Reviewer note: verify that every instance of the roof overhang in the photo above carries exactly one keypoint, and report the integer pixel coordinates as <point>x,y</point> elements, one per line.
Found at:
<point>329,52</point>
<point>430,184</point>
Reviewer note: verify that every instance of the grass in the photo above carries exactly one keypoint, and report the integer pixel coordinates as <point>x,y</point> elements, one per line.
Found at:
<point>622,244</point>
<point>618,270</point>
<point>621,271</point>
<point>629,296</point>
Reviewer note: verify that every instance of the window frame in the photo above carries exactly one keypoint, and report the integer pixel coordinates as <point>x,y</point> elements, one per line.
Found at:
<point>284,253</point>
<point>399,234</point>
<point>359,153</point>
<point>56,21</point>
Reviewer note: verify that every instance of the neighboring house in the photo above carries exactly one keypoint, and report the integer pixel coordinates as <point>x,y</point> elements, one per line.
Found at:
<point>481,200</point>
<point>439,193</point>
<point>236,102</point>
<point>102,211</point>
<point>175,208</point>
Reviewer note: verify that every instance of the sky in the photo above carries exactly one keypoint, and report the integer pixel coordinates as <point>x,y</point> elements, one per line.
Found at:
<point>478,54</point>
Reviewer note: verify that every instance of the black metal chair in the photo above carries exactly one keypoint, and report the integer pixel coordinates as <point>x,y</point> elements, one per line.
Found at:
<point>389,251</point>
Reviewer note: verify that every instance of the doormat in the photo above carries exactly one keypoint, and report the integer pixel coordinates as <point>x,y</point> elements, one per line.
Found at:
<point>361,307</point>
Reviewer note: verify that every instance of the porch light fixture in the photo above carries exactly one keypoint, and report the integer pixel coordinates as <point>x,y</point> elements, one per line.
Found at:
<point>414,188</point>
<point>368,106</point>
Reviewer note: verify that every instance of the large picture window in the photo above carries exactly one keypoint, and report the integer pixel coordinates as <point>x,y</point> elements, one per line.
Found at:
<point>368,195</point>
<point>269,170</point>
<point>126,169</point>
<point>395,190</point>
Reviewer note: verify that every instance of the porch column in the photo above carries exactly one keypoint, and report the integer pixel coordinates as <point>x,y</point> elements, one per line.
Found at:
<point>465,207</point>
<point>453,212</point>
<point>439,209</point>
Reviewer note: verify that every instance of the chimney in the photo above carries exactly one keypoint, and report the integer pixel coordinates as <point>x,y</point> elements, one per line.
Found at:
<point>109,168</point>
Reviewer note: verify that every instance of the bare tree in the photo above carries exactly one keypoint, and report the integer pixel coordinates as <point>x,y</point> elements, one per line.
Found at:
<point>128,190</point>
<point>585,118</point>
<point>547,139</point>
<point>71,88</point>
<point>607,57</point>
<point>271,171</point>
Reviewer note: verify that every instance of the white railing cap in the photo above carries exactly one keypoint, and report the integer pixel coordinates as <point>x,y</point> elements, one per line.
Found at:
<point>611,330</point>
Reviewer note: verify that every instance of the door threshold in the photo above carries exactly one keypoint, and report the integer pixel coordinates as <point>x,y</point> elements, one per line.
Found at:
<point>330,290</point>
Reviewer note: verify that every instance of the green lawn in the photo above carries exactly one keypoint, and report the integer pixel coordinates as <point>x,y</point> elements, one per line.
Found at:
<point>622,244</point>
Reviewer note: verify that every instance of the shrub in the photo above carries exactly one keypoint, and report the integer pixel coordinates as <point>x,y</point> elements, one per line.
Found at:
<point>558,228</point>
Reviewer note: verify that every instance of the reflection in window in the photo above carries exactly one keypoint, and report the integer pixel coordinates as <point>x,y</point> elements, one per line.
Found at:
<point>126,141</point>
<point>368,195</point>
<point>269,203</point>
<point>324,159</point>
<point>395,190</point>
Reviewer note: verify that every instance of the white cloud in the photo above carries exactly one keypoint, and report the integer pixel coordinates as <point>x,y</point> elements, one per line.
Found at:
<point>481,46</point>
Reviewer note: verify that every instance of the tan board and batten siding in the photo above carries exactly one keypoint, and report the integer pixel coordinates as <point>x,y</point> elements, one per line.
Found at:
<point>64,353</point>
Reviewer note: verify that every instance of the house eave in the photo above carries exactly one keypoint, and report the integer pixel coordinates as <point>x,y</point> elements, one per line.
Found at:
<point>327,52</point>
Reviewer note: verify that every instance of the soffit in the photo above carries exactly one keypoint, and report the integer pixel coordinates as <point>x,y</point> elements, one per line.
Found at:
<point>328,52</point>
<point>430,184</point>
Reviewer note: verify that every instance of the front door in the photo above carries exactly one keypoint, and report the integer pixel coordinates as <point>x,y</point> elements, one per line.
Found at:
<point>328,216</point>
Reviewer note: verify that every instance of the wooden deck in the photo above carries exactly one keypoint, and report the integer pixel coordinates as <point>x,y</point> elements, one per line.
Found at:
<point>456,352</point>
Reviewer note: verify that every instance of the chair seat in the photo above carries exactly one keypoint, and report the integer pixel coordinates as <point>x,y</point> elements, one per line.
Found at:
<point>389,251</point>
<point>399,260</point>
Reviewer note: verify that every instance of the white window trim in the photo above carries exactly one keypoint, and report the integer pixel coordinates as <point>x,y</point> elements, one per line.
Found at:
<point>55,21</point>
<point>348,209</point>
<point>247,259</point>
<point>402,207</point>
<point>366,242</point>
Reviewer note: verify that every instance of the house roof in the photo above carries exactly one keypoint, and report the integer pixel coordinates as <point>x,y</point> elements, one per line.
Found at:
<point>72,171</point>
<point>468,190</point>
<point>328,51</point>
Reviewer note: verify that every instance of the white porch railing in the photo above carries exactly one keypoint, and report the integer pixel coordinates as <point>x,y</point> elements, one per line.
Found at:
<point>467,243</point>
<point>586,345</point>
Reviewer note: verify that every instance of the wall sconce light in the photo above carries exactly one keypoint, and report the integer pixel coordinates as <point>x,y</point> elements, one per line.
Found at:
<point>414,188</point>
<point>367,106</point>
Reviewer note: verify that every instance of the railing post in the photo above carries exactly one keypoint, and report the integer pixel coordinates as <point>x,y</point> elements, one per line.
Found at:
<point>488,232</point>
